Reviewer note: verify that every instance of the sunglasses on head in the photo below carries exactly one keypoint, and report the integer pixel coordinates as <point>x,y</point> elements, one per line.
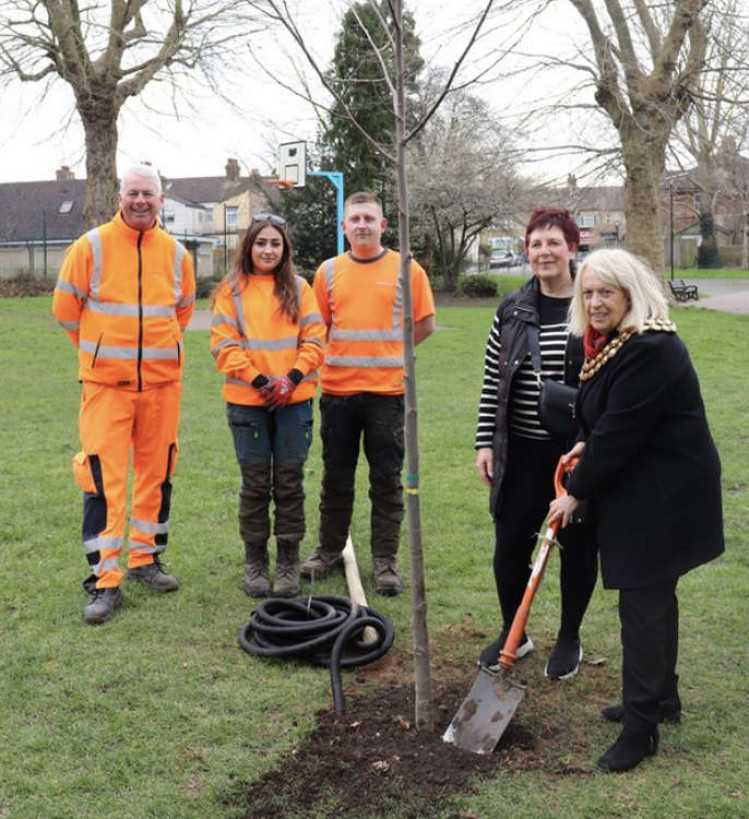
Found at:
<point>269,217</point>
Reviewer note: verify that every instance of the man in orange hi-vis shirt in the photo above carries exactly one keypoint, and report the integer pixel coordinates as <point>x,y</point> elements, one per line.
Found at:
<point>361,302</point>
<point>125,293</point>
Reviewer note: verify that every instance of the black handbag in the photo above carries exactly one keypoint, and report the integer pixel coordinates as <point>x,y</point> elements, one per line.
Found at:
<point>556,409</point>
<point>557,400</point>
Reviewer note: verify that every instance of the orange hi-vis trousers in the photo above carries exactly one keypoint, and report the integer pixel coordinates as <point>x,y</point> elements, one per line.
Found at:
<point>111,422</point>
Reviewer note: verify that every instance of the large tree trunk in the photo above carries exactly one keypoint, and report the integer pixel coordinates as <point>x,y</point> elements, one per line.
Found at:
<point>644,156</point>
<point>99,114</point>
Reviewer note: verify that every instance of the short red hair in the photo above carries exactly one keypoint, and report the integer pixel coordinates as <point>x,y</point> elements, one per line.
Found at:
<point>542,218</point>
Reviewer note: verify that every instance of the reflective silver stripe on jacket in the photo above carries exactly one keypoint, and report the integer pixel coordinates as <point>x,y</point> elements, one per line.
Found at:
<point>95,304</point>
<point>131,353</point>
<point>94,239</point>
<point>67,287</point>
<point>109,308</point>
<point>369,362</point>
<point>288,343</point>
<point>70,326</point>
<point>393,334</point>
<point>179,255</point>
<point>311,318</point>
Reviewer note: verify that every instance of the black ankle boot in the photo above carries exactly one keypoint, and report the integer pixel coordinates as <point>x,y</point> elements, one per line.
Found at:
<point>630,749</point>
<point>669,712</point>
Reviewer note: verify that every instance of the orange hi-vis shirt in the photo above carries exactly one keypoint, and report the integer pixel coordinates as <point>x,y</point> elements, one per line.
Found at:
<point>362,304</point>
<point>251,336</point>
<point>124,297</point>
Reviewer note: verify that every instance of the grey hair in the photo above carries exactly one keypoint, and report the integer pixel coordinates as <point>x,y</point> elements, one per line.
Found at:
<point>619,268</point>
<point>144,172</point>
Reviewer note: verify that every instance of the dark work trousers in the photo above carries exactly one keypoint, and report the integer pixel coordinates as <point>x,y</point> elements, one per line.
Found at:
<point>527,490</point>
<point>649,620</point>
<point>344,420</point>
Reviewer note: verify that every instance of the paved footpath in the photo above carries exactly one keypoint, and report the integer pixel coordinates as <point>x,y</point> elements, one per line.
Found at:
<point>726,295</point>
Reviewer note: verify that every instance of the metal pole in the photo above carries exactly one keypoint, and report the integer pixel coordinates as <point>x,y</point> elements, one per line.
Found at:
<point>44,232</point>
<point>226,244</point>
<point>336,178</point>
<point>671,219</point>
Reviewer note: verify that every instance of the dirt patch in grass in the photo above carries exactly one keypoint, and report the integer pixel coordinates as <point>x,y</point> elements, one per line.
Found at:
<point>373,761</point>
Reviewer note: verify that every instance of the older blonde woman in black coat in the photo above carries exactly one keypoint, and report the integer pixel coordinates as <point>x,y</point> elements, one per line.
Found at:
<point>651,474</point>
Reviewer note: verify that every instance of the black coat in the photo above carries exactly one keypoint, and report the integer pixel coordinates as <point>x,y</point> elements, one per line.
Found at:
<point>516,311</point>
<point>650,468</point>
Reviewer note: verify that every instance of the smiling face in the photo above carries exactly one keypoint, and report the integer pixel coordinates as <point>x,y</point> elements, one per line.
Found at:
<point>267,250</point>
<point>605,304</point>
<point>364,224</point>
<point>140,201</point>
<point>550,257</point>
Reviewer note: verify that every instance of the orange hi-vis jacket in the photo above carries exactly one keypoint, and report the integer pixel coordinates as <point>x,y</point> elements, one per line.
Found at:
<point>251,336</point>
<point>124,297</point>
<point>362,304</point>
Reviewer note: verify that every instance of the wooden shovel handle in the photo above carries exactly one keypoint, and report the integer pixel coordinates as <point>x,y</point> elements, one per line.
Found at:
<point>508,655</point>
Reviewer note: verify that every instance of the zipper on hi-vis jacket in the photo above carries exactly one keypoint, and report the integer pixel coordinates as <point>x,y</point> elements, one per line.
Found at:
<point>140,313</point>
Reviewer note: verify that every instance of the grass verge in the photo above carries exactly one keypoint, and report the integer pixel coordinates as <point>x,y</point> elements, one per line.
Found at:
<point>160,714</point>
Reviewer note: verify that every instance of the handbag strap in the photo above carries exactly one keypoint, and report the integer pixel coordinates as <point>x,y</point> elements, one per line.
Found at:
<point>534,347</point>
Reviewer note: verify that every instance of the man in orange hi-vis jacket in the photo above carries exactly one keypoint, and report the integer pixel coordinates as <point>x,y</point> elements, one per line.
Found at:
<point>361,301</point>
<point>125,293</point>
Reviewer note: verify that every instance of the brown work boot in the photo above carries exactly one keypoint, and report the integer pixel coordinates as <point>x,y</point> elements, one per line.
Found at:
<point>101,605</point>
<point>256,580</point>
<point>153,575</point>
<point>286,581</point>
<point>320,563</point>
<point>387,576</point>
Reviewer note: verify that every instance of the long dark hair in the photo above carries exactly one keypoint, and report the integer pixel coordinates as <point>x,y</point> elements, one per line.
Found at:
<point>284,274</point>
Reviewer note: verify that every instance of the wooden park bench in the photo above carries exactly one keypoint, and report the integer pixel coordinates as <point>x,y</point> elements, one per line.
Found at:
<point>682,291</point>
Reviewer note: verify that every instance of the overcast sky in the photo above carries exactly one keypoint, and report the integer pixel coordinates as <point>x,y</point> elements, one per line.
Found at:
<point>38,138</point>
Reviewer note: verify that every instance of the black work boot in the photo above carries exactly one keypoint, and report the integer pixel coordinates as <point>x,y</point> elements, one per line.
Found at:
<point>286,581</point>
<point>101,605</point>
<point>256,580</point>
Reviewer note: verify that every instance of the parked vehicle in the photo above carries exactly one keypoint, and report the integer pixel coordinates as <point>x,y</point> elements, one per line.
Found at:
<point>502,258</point>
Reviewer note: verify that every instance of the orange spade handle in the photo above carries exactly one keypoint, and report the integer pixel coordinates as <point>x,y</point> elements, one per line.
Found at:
<point>508,655</point>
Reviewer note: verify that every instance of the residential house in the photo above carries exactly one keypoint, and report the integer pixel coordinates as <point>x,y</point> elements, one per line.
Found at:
<point>38,220</point>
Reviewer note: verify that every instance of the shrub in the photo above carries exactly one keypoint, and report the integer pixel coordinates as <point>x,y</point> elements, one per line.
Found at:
<point>205,286</point>
<point>478,287</point>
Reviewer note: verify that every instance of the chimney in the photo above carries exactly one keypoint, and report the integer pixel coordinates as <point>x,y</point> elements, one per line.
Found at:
<point>64,173</point>
<point>571,181</point>
<point>232,170</point>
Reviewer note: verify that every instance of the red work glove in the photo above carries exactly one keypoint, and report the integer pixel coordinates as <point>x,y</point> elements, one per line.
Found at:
<point>278,392</point>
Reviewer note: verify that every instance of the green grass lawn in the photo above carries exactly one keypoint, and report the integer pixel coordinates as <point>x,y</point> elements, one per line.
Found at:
<point>160,714</point>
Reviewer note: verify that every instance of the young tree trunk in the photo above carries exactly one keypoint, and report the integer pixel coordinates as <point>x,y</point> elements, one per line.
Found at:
<point>99,117</point>
<point>422,670</point>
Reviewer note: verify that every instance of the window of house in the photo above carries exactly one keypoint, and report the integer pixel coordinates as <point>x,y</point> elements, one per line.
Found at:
<point>232,216</point>
<point>168,217</point>
<point>66,206</point>
<point>586,220</point>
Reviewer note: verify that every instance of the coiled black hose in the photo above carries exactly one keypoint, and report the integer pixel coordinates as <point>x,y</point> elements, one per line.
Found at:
<point>325,630</point>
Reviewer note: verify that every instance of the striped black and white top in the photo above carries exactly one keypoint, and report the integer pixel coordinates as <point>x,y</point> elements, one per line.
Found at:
<point>524,391</point>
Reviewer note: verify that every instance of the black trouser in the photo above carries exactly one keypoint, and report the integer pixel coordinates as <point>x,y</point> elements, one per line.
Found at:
<point>379,420</point>
<point>527,489</point>
<point>650,646</point>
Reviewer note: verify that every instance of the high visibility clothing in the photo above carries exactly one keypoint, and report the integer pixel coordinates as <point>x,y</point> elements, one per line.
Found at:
<point>124,296</point>
<point>111,420</point>
<point>251,335</point>
<point>362,304</point>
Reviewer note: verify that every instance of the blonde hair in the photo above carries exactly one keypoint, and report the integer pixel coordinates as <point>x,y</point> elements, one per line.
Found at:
<point>619,268</point>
